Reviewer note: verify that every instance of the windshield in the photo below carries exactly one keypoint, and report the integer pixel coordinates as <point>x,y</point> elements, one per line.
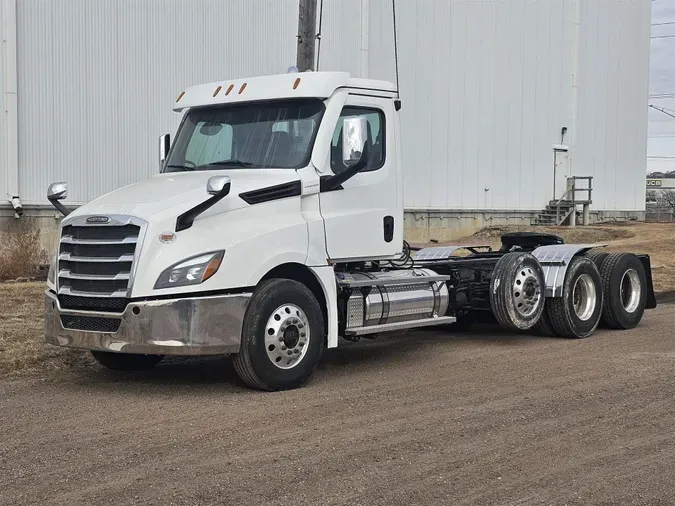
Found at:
<point>253,135</point>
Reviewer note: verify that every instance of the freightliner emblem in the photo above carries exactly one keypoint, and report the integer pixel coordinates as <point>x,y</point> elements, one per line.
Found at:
<point>98,219</point>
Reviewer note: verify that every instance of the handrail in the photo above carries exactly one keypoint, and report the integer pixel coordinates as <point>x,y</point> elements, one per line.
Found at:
<point>572,188</point>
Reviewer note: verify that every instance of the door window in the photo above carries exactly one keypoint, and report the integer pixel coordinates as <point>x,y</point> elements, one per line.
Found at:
<point>374,145</point>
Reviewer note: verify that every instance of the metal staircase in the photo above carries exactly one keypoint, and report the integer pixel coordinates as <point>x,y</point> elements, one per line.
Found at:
<point>563,211</point>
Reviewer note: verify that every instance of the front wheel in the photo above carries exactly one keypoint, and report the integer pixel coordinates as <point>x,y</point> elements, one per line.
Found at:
<point>126,361</point>
<point>282,336</point>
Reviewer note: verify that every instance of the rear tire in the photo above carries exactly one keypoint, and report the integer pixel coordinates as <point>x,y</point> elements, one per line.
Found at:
<point>517,291</point>
<point>597,256</point>
<point>577,313</point>
<point>544,327</point>
<point>126,361</point>
<point>625,291</point>
<point>282,337</point>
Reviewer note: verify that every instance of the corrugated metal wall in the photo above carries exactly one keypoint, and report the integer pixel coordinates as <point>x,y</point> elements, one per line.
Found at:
<point>3,185</point>
<point>486,88</point>
<point>97,79</point>
<point>612,100</point>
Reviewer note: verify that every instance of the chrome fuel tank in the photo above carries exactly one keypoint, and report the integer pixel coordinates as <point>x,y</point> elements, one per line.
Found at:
<point>414,298</point>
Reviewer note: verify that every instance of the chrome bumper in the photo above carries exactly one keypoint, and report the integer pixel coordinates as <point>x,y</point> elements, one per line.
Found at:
<point>190,326</point>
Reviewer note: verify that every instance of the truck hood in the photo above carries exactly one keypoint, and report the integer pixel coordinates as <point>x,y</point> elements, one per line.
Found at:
<point>179,191</point>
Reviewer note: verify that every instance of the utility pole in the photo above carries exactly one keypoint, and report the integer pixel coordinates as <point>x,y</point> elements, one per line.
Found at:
<point>306,35</point>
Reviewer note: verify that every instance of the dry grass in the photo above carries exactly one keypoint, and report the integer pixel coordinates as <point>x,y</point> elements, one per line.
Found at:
<point>21,254</point>
<point>22,346</point>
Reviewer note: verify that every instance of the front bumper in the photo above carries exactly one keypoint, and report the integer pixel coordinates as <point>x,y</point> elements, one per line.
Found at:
<point>190,326</point>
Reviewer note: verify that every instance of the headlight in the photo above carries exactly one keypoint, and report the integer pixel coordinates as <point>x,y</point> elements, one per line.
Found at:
<point>192,271</point>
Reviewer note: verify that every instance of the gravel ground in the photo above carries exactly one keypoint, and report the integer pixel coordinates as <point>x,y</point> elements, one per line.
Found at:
<point>482,418</point>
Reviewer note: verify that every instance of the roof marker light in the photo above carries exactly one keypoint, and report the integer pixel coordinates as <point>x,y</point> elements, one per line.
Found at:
<point>243,87</point>
<point>296,83</point>
<point>229,89</point>
<point>180,96</point>
<point>217,90</point>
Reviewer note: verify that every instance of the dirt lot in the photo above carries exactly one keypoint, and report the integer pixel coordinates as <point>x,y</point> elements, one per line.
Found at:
<point>416,417</point>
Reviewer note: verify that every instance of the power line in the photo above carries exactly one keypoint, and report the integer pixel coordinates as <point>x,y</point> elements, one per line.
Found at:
<point>666,23</point>
<point>662,37</point>
<point>663,110</point>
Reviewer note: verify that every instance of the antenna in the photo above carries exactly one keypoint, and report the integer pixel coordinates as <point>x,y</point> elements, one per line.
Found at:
<point>393,11</point>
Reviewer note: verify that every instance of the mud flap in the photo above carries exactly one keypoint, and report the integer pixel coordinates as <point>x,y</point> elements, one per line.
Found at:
<point>651,297</point>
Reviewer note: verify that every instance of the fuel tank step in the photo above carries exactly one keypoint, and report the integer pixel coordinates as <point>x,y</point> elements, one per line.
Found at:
<point>388,327</point>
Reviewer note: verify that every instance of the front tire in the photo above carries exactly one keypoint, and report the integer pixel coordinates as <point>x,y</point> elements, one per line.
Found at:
<point>126,361</point>
<point>282,336</point>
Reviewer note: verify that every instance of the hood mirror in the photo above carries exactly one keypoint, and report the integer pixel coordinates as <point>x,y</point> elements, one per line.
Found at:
<point>218,187</point>
<point>56,192</point>
<point>217,184</point>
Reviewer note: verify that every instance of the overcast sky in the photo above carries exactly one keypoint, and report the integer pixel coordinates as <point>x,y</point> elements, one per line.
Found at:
<point>661,151</point>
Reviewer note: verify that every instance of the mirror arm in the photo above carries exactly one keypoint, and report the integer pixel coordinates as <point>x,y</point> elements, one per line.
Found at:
<point>59,207</point>
<point>332,182</point>
<point>185,220</point>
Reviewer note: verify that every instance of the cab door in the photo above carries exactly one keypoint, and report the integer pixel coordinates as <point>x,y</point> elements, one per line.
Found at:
<point>363,218</point>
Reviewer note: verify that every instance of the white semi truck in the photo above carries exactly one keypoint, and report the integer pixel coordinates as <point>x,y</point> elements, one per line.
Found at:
<point>275,228</point>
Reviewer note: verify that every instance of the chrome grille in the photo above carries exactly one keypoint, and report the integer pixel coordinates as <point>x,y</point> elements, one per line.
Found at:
<point>95,264</point>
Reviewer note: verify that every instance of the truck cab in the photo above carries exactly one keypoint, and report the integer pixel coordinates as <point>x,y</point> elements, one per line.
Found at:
<point>287,174</point>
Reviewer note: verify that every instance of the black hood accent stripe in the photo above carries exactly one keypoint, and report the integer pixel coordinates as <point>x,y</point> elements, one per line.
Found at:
<point>276,192</point>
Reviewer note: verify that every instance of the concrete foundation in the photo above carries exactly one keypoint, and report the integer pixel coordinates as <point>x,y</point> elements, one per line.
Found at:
<point>420,226</point>
<point>47,220</point>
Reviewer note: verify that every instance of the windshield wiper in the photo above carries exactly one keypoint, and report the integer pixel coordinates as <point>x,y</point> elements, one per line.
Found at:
<point>230,163</point>
<point>181,167</point>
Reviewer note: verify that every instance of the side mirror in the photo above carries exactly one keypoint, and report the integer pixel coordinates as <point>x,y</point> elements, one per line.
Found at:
<point>354,152</point>
<point>354,136</point>
<point>164,146</point>
<point>56,192</point>
<point>217,184</point>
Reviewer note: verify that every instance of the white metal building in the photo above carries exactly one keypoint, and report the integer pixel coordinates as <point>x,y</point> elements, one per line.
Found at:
<point>487,88</point>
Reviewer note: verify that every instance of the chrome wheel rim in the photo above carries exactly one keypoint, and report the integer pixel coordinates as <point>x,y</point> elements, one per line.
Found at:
<point>630,290</point>
<point>584,297</point>
<point>526,291</point>
<point>287,336</point>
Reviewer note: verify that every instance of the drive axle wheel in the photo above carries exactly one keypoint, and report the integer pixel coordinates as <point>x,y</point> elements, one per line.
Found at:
<point>282,336</point>
<point>577,313</point>
<point>625,291</point>
<point>126,361</point>
<point>544,327</point>
<point>517,291</point>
